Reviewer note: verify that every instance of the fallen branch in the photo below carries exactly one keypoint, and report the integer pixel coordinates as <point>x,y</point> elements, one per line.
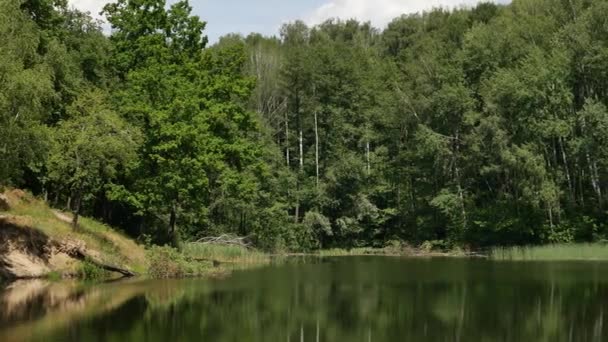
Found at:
<point>77,250</point>
<point>226,240</point>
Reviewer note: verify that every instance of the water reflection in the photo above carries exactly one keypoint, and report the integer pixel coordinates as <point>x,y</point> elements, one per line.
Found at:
<point>342,299</point>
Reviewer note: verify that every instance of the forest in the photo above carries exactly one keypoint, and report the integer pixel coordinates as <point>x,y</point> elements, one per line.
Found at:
<point>473,127</point>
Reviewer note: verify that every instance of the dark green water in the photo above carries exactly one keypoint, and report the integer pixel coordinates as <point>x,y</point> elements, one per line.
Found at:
<point>332,299</point>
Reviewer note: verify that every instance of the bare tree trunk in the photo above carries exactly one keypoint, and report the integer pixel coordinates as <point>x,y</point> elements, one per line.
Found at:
<point>594,179</point>
<point>287,138</point>
<point>301,140</point>
<point>581,176</point>
<point>297,213</point>
<point>301,147</point>
<point>317,148</point>
<point>598,184</point>
<point>573,9</point>
<point>368,167</point>
<point>460,190</point>
<point>462,206</point>
<point>567,169</point>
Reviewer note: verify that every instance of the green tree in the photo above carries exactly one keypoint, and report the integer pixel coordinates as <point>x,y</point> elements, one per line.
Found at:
<point>90,149</point>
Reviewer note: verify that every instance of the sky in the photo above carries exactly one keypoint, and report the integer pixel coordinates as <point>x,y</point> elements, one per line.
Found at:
<point>267,16</point>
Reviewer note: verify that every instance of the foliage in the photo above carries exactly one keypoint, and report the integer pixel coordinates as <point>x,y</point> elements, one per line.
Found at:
<point>476,126</point>
<point>223,253</point>
<point>91,272</point>
<point>166,262</point>
<point>90,148</point>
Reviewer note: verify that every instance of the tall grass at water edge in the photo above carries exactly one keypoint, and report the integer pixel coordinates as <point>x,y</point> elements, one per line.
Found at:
<point>555,252</point>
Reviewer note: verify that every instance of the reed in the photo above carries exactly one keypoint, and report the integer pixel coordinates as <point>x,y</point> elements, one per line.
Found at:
<point>582,251</point>
<point>225,253</point>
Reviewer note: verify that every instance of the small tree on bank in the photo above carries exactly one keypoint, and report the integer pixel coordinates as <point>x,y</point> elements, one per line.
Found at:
<point>89,149</point>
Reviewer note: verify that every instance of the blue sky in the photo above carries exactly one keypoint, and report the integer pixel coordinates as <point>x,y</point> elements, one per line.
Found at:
<point>267,16</point>
<point>263,16</point>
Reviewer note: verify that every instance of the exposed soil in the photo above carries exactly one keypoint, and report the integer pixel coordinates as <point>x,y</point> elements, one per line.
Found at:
<point>24,252</point>
<point>36,241</point>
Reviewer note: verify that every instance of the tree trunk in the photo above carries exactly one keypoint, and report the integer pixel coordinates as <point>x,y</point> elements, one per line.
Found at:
<point>297,213</point>
<point>567,170</point>
<point>462,206</point>
<point>173,224</point>
<point>458,180</point>
<point>79,253</point>
<point>301,141</point>
<point>317,148</point>
<point>581,176</point>
<point>287,138</point>
<point>76,211</point>
<point>301,145</point>
<point>368,167</point>
<point>573,9</point>
<point>594,179</point>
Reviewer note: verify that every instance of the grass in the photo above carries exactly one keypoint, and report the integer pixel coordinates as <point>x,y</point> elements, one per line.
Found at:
<point>225,254</point>
<point>90,272</point>
<point>557,252</point>
<point>197,259</point>
<point>398,248</point>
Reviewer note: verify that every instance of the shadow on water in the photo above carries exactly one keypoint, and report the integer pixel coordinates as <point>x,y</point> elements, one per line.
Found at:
<point>330,299</point>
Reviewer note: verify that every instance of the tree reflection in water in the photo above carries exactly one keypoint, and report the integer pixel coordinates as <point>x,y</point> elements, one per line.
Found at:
<point>336,299</point>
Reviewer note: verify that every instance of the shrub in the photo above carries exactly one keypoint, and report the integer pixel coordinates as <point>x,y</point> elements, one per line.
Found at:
<point>90,271</point>
<point>434,245</point>
<point>54,276</point>
<point>165,262</point>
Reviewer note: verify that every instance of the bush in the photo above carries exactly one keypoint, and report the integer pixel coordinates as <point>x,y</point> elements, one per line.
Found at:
<point>54,276</point>
<point>434,245</point>
<point>165,262</point>
<point>397,247</point>
<point>90,271</point>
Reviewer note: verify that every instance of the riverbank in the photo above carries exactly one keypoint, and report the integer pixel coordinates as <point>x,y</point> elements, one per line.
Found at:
<point>405,251</point>
<point>554,252</point>
<point>197,259</point>
<point>37,241</point>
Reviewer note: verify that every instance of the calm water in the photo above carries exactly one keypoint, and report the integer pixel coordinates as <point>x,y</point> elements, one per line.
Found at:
<point>332,299</point>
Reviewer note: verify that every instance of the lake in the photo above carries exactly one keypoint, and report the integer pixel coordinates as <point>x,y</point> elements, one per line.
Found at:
<point>325,299</point>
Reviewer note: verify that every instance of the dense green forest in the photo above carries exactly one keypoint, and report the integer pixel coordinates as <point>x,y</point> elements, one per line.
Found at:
<point>469,127</point>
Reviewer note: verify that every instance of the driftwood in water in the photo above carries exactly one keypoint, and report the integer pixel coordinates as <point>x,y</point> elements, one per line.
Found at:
<point>77,250</point>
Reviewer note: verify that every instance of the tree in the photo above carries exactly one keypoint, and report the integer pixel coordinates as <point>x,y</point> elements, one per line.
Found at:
<point>25,87</point>
<point>89,149</point>
<point>198,158</point>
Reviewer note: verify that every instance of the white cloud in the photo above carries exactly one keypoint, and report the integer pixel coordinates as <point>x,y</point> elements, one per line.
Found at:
<point>92,6</point>
<point>379,12</point>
